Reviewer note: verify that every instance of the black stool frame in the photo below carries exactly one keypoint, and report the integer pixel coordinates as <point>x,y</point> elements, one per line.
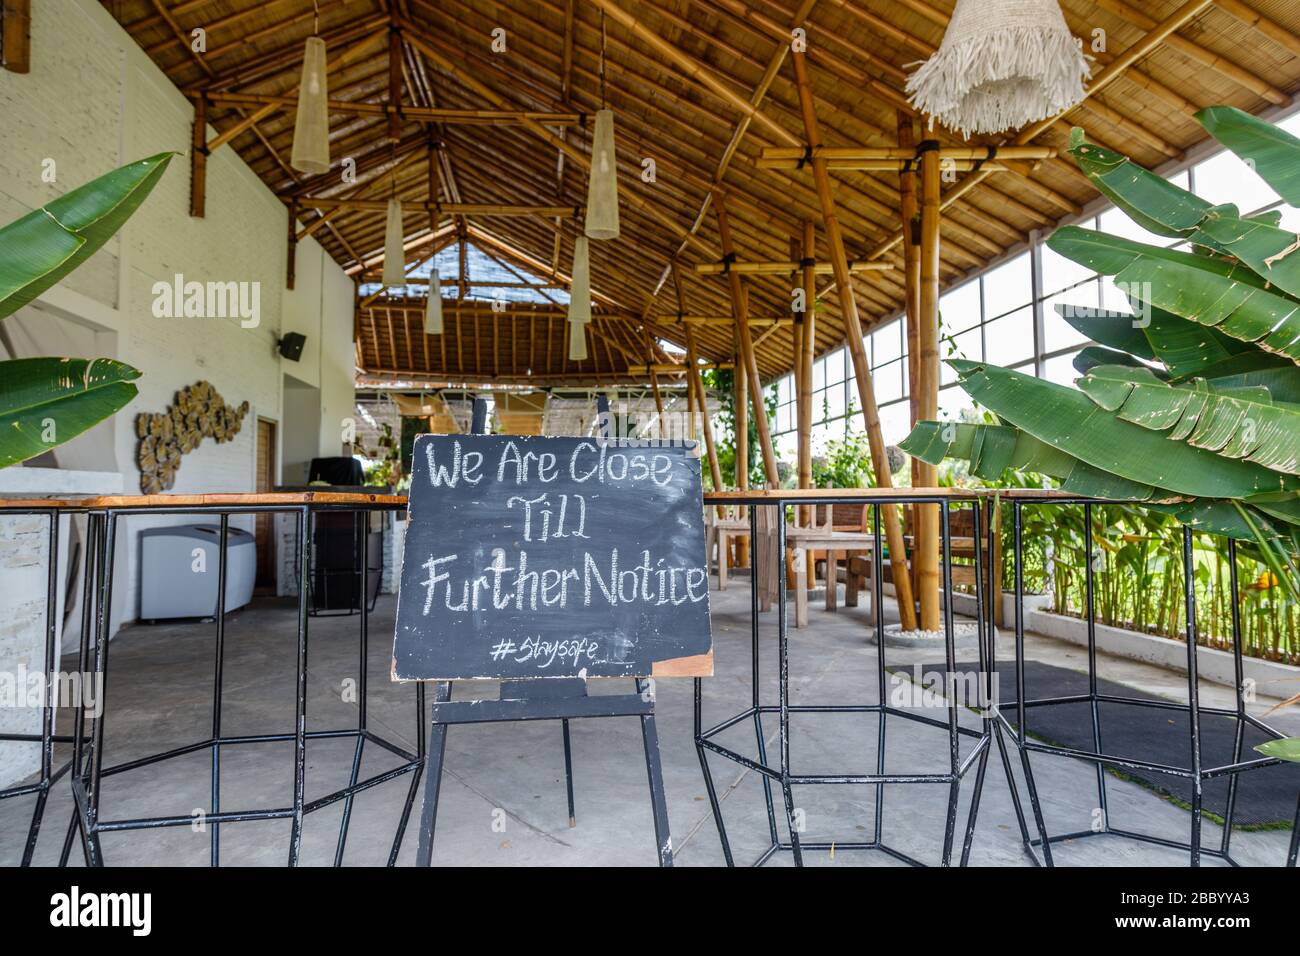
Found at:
<point>958,767</point>
<point>1197,772</point>
<point>89,759</point>
<point>47,738</point>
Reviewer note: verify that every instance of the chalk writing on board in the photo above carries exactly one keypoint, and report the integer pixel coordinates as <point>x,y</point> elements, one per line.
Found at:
<point>539,557</point>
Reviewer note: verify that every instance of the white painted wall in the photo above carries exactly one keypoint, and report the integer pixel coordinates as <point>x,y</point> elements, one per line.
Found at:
<point>94,101</point>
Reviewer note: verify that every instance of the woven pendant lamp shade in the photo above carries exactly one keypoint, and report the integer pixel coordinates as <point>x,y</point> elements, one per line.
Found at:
<point>1002,65</point>
<point>577,342</point>
<point>602,182</point>
<point>580,285</point>
<point>433,307</point>
<point>311,128</point>
<point>394,256</point>
<point>579,300</point>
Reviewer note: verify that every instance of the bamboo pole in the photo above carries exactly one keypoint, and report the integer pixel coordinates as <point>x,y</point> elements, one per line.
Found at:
<point>908,208</point>
<point>701,401</point>
<point>808,338</point>
<point>740,306</point>
<point>926,542</point>
<point>423,114</point>
<point>742,444</point>
<point>199,159</point>
<point>853,333</point>
<point>785,267</point>
<point>901,153</point>
<point>446,208</point>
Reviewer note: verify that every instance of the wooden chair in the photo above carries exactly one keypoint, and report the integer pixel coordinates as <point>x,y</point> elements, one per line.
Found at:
<point>719,533</point>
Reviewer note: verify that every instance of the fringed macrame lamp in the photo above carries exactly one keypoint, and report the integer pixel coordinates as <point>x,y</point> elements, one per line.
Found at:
<point>394,254</point>
<point>433,307</point>
<point>1002,65</point>
<point>311,127</point>
<point>579,300</point>
<point>602,181</point>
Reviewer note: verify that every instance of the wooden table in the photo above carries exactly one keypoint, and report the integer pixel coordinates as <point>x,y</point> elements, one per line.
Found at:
<point>837,545</point>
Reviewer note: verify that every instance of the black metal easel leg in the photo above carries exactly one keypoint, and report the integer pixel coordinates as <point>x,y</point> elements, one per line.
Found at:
<point>300,710</point>
<point>709,788</point>
<point>1295,836</point>
<point>437,746</point>
<point>568,771</point>
<point>658,798</point>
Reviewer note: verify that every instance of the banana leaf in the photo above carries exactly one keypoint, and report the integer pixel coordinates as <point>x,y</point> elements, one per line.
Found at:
<point>1267,249</point>
<point>1114,330</point>
<point>932,442</point>
<point>1091,356</point>
<point>1241,423</point>
<point>47,401</point>
<point>1273,153</point>
<point>1287,748</point>
<point>1279,376</point>
<point>42,247</point>
<point>1188,348</point>
<point>1151,201</point>
<point>1070,421</point>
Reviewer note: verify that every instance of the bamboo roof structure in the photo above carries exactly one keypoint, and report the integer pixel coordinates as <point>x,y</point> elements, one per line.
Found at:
<point>491,146</point>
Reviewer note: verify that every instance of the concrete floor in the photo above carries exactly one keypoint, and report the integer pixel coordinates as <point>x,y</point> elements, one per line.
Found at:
<point>503,798</point>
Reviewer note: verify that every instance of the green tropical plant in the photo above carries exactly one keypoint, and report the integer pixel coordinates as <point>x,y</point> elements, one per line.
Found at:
<point>44,402</point>
<point>1191,403</point>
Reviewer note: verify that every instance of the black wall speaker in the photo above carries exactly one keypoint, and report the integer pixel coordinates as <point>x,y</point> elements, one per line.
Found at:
<point>291,345</point>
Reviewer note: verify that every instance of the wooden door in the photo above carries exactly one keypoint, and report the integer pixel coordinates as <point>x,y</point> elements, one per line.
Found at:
<point>265,523</point>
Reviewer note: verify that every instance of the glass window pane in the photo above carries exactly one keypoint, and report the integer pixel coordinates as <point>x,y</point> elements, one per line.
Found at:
<point>819,374</point>
<point>1010,339</point>
<point>887,343</point>
<point>1008,287</point>
<point>785,389</point>
<point>888,380</point>
<point>835,400</point>
<point>1057,333</point>
<point>952,402</point>
<point>1225,178</point>
<point>960,309</point>
<point>1061,369</point>
<point>895,423</point>
<point>1060,272</point>
<point>1117,223</point>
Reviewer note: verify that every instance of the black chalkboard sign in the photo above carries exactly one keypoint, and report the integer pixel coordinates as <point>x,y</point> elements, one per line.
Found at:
<point>532,557</point>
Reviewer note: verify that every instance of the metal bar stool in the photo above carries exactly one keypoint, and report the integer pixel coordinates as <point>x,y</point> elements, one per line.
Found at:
<point>88,781</point>
<point>1196,772</point>
<point>958,765</point>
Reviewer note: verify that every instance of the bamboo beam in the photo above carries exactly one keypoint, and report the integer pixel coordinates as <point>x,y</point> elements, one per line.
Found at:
<point>423,114</point>
<point>926,554</point>
<point>911,229</point>
<point>650,209</point>
<point>740,307</point>
<point>394,105</point>
<point>692,68</point>
<point>16,51</point>
<point>807,333</point>
<point>1256,20</point>
<point>1195,51</point>
<point>448,209</point>
<point>833,154</point>
<point>291,254</point>
<point>853,333</point>
<point>696,384</point>
<point>785,267</point>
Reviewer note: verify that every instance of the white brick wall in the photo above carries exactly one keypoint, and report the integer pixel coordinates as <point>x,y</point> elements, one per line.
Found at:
<point>94,101</point>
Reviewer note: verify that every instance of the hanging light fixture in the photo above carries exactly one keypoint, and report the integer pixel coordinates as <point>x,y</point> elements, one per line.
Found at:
<point>433,307</point>
<point>602,179</point>
<point>1002,65</point>
<point>579,300</point>
<point>311,128</point>
<point>394,255</point>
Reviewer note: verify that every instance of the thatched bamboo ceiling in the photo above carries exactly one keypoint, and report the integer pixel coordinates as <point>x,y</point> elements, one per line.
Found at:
<point>703,124</point>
